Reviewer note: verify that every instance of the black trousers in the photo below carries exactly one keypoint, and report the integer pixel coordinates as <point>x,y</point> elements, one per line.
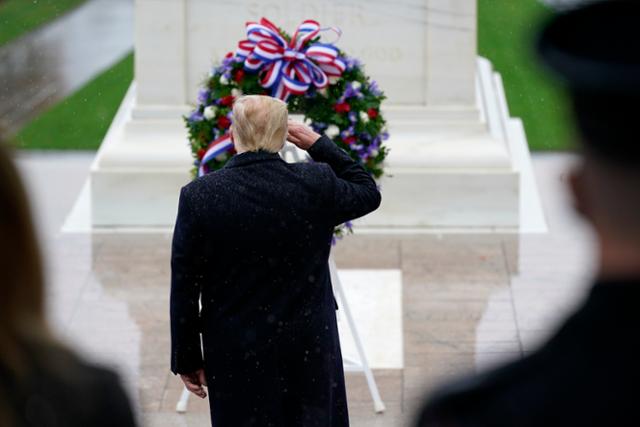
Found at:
<point>297,382</point>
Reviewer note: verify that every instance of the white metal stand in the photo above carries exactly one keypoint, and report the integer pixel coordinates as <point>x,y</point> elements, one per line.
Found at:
<point>291,153</point>
<point>181,406</point>
<point>354,365</point>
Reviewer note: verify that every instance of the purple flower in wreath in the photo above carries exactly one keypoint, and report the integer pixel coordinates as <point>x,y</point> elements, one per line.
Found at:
<point>374,88</point>
<point>364,136</point>
<point>353,117</point>
<point>196,116</point>
<point>352,90</point>
<point>203,96</point>
<point>349,92</point>
<point>372,149</point>
<point>319,127</point>
<point>352,63</point>
<point>350,131</point>
<point>228,62</point>
<point>226,66</point>
<point>311,93</point>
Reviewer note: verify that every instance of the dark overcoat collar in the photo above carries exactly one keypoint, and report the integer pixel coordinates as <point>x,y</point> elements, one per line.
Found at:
<point>250,157</point>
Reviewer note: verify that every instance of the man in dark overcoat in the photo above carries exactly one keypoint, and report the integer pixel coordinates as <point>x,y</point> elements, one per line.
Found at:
<point>588,372</point>
<point>250,273</point>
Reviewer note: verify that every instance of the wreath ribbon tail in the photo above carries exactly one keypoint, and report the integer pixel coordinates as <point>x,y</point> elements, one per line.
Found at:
<point>216,148</point>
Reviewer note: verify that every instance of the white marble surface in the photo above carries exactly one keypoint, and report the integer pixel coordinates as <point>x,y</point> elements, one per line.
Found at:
<point>427,54</point>
<point>444,147</point>
<point>375,300</point>
<point>438,162</point>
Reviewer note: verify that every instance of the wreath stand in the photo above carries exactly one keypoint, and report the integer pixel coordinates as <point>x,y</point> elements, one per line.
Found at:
<point>350,365</point>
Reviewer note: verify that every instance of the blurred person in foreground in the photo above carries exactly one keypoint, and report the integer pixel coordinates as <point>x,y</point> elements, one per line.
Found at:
<point>588,373</point>
<point>42,383</point>
<point>252,242</point>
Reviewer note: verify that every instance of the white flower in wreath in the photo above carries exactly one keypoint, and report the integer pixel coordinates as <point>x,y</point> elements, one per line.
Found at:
<point>364,117</point>
<point>333,80</point>
<point>224,80</point>
<point>356,85</point>
<point>209,112</point>
<point>332,131</point>
<point>236,93</point>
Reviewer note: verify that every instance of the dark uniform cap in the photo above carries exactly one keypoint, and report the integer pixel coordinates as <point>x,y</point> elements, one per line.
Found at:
<point>595,49</point>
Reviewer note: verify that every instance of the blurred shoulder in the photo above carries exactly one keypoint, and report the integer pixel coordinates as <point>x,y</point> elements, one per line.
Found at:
<point>501,395</point>
<point>73,371</point>
<point>63,386</point>
<point>79,390</point>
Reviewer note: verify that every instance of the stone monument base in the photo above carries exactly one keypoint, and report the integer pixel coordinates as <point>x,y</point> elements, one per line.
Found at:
<point>449,168</point>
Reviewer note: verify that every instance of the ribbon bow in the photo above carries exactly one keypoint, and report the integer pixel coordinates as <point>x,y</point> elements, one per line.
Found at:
<point>289,68</point>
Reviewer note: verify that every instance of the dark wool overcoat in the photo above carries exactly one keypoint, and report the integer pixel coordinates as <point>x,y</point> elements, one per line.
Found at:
<point>587,374</point>
<point>252,242</point>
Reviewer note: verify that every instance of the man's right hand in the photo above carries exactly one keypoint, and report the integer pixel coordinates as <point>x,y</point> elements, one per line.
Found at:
<point>301,135</point>
<point>195,382</point>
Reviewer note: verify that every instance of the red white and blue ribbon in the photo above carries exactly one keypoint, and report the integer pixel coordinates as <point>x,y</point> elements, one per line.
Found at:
<point>217,147</point>
<point>289,67</point>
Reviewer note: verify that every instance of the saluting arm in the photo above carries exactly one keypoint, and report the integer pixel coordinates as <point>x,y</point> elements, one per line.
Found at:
<point>355,192</point>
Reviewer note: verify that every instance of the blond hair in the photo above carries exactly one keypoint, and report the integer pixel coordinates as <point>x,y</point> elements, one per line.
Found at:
<point>260,123</point>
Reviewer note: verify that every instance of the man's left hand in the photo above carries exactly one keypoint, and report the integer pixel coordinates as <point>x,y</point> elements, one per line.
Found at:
<point>195,382</point>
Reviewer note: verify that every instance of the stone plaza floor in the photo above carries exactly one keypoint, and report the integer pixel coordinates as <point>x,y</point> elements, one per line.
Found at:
<point>468,300</point>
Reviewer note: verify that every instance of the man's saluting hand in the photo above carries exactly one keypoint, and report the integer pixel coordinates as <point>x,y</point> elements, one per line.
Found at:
<point>301,135</point>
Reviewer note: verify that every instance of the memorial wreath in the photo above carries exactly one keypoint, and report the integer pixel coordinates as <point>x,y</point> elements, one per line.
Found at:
<point>315,78</point>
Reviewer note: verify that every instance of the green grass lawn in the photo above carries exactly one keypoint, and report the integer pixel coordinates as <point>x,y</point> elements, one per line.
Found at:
<point>507,30</point>
<point>80,121</point>
<point>18,17</point>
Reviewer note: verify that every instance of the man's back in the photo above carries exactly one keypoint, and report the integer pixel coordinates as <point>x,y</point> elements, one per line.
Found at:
<point>267,227</point>
<point>252,243</point>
